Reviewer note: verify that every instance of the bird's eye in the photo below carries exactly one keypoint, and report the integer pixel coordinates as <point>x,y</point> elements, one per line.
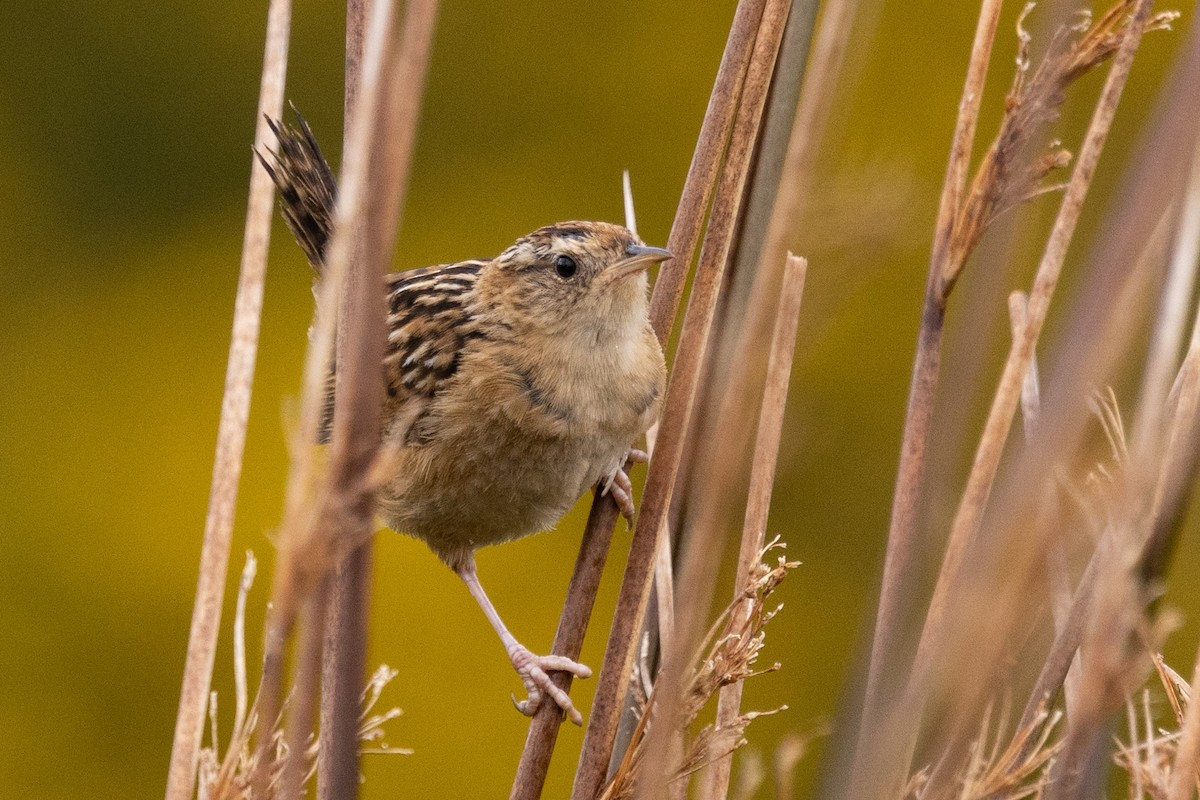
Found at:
<point>565,266</point>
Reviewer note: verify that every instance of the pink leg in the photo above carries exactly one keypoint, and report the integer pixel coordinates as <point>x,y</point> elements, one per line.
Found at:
<point>531,668</point>
<point>619,485</point>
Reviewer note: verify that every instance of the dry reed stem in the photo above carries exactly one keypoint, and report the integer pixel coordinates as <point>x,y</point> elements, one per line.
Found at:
<point>664,305</point>
<point>1006,177</point>
<point>1063,652</point>
<point>1178,465</point>
<point>783,104</point>
<point>762,479</point>
<point>1001,589</point>
<point>358,407</point>
<point>226,777</point>
<point>585,580</point>
<point>305,685</point>
<point>231,430</point>
<point>1172,317</point>
<point>706,162</point>
<point>727,653</point>
<point>634,595</point>
<point>995,433</point>
<point>324,520</point>
<point>1173,137</point>
<point>1058,579</point>
<point>348,613</point>
<point>304,555</point>
<point>796,174</point>
<point>1187,755</point>
<point>711,489</point>
<point>799,71</point>
<point>902,539</point>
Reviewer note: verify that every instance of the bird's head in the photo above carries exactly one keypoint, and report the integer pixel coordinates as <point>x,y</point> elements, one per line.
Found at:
<point>587,277</point>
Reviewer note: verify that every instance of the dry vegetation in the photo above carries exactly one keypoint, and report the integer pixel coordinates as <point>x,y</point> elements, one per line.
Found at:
<point>1041,524</point>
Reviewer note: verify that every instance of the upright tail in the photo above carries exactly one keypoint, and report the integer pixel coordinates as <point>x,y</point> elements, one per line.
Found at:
<point>307,193</point>
<point>307,188</point>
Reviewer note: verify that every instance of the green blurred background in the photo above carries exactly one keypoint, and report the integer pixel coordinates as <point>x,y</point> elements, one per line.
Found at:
<point>124,152</point>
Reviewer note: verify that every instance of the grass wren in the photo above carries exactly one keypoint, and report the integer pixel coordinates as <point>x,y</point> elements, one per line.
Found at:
<point>515,384</point>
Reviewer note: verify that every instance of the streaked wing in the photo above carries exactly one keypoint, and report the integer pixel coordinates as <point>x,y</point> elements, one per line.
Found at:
<point>429,322</point>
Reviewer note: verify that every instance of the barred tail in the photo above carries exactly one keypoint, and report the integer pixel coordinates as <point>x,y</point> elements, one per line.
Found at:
<point>307,188</point>
<point>307,193</point>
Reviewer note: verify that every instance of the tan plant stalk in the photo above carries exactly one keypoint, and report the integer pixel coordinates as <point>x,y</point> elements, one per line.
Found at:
<point>301,713</point>
<point>802,86</point>
<point>762,480</point>
<point>1063,652</point>
<point>325,520</point>
<point>901,542</point>
<point>1184,771</point>
<point>357,408</point>
<point>1171,320</point>
<point>227,776</point>
<point>348,611</point>
<point>711,488</point>
<point>1007,175</point>
<point>231,430</point>
<point>303,558</point>
<point>798,102</point>
<point>1000,417</point>
<point>1140,210</point>
<point>966,669</point>
<point>727,653</point>
<point>668,290</point>
<point>633,598</point>
<point>1058,579</point>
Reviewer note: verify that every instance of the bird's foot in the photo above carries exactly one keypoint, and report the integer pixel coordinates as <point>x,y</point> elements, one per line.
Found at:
<point>618,484</point>
<point>533,671</point>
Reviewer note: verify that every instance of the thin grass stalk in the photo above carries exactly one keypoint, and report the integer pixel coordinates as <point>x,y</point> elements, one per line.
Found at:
<point>902,541</point>
<point>1178,466</point>
<point>783,103</point>
<point>1000,417</point>
<point>706,162</point>
<point>1172,317</point>
<point>1063,652</point>
<point>970,663</point>
<point>696,577</point>
<point>1144,192</point>
<point>231,430</point>
<point>796,173</point>
<point>305,687</point>
<point>633,597</point>
<point>1058,579</point>
<point>357,410</point>
<point>358,405</point>
<point>309,531</point>
<point>1187,755</point>
<point>346,620</point>
<point>762,480</point>
<point>668,290</point>
<point>799,103</point>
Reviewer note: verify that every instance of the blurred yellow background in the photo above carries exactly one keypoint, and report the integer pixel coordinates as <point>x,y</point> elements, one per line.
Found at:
<point>125,133</point>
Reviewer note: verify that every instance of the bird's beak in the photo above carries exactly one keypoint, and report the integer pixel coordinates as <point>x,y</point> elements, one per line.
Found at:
<point>639,258</point>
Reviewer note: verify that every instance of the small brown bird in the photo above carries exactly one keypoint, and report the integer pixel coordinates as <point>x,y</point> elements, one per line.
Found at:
<point>513,385</point>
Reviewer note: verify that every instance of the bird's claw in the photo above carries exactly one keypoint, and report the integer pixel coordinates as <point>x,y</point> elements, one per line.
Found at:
<point>533,671</point>
<point>618,484</point>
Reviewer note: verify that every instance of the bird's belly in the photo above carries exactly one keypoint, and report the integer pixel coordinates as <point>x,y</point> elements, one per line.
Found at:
<point>503,486</point>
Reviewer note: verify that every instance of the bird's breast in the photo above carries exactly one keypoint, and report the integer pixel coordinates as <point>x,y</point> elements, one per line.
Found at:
<point>515,438</point>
